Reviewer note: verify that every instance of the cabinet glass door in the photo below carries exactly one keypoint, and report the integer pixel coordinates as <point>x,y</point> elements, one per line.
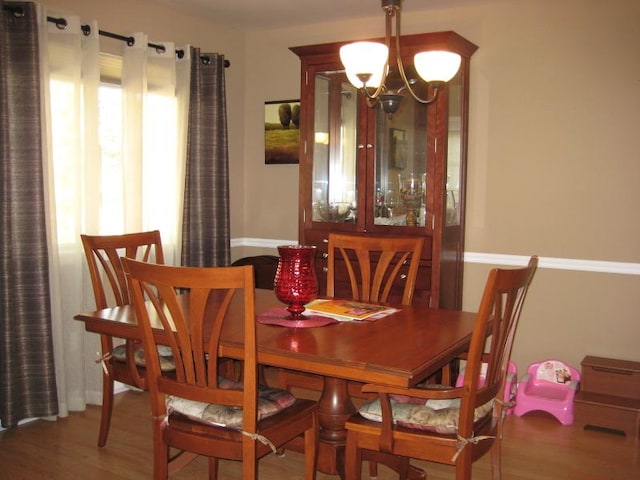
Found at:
<point>454,154</point>
<point>400,181</point>
<point>334,195</point>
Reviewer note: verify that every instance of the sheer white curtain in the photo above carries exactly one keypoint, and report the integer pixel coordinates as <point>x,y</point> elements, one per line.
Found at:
<point>87,194</point>
<point>71,79</point>
<point>155,88</point>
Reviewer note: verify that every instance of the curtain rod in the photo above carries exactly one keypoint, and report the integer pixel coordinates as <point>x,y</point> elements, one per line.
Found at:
<point>61,23</point>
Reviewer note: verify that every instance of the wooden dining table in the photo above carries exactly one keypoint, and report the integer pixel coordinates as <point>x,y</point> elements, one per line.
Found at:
<point>401,349</point>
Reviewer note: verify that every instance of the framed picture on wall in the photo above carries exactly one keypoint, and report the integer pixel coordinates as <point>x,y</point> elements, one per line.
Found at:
<point>281,131</point>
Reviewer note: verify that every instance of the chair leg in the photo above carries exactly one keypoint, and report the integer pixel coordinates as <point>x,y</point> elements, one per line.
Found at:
<point>353,458</point>
<point>496,461</point>
<point>311,438</point>
<point>373,469</point>
<point>107,408</point>
<point>160,454</point>
<point>213,468</point>
<point>496,452</point>
<point>463,466</point>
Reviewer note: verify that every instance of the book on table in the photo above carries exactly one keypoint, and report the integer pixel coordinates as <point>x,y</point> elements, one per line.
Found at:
<point>348,310</point>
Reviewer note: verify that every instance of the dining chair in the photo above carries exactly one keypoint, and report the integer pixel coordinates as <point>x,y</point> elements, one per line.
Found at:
<point>264,269</point>
<point>197,411</point>
<point>379,269</point>
<point>125,362</point>
<point>376,266</point>
<point>444,424</point>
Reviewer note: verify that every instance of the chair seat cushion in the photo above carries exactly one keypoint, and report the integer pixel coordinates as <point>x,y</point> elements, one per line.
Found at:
<point>440,416</point>
<point>270,402</point>
<point>119,353</point>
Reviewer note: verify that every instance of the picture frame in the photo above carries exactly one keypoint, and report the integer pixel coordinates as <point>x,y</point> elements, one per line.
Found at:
<point>397,148</point>
<point>282,132</point>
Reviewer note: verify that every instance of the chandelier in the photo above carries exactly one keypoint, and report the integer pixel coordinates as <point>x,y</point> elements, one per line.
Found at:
<point>367,66</point>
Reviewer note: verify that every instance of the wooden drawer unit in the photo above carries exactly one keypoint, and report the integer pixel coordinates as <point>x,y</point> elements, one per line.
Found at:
<point>611,377</point>
<point>610,395</point>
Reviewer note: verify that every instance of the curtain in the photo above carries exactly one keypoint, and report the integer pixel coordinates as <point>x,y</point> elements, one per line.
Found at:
<point>71,73</point>
<point>137,189</point>
<point>27,376</point>
<point>155,86</point>
<point>205,224</point>
<point>55,189</point>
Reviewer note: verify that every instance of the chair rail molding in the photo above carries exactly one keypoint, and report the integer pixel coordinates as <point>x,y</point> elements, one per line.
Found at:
<point>583,265</point>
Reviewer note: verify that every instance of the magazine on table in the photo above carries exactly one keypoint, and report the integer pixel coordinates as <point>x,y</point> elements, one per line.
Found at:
<point>348,310</point>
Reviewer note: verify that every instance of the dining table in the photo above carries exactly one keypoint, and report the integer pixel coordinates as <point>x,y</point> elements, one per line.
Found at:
<point>401,349</point>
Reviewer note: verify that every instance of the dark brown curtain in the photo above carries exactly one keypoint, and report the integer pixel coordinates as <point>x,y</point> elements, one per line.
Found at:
<point>27,374</point>
<point>205,224</point>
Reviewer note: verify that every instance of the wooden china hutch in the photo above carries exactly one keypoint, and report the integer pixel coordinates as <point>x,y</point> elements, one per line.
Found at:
<point>366,172</point>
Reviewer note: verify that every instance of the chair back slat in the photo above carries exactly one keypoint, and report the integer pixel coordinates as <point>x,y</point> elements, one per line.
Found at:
<point>493,336</point>
<point>104,253</point>
<point>160,302</point>
<point>374,265</point>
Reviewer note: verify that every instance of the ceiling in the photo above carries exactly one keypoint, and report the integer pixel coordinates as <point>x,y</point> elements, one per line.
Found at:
<point>251,15</point>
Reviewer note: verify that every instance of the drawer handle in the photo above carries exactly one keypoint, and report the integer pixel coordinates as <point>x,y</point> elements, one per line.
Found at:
<point>325,240</point>
<point>403,276</point>
<point>325,255</point>
<point>325,269</point>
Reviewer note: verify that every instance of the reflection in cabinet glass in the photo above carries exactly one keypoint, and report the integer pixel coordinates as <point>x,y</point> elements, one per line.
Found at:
<point>363,171</point>
<point>334,152</point>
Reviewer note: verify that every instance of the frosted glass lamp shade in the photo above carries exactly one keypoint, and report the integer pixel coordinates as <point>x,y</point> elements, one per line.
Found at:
<point>367,58</point>
<point>437,65</point>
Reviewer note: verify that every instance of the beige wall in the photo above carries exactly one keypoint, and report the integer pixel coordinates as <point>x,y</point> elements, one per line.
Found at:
<point>554,167</point>
<point>554,162</point>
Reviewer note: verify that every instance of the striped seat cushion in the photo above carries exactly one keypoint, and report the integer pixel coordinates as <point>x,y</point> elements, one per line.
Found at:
<point>119,353</point>
<point>270,402</point>
<point>440,416</point>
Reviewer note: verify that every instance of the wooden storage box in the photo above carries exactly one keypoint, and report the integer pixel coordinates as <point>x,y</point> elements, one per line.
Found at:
<point>608,376</point>
<point>610,395</point>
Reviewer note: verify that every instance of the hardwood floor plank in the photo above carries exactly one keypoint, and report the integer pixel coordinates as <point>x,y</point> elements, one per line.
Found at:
<point>535,447</point>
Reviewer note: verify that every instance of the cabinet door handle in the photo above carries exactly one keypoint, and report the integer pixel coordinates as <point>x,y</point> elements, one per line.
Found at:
<point>403,276</point>
<point>369,145</point>
<point>325,240</point>
<point>325,255</point>
<point>360,146</point>
<point>325,269</point>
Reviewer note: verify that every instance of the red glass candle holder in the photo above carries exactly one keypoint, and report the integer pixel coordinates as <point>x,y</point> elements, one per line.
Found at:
<point>296,282</point>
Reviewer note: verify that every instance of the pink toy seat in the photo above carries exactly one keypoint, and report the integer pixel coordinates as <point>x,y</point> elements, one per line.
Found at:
<point>548,386</point>
<point>510,384</point>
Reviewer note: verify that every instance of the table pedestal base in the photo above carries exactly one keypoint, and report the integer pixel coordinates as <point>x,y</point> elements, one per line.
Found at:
<point>334,409</point>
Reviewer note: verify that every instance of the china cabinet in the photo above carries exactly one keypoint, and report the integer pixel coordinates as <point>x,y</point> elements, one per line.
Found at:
<point>368,172</point>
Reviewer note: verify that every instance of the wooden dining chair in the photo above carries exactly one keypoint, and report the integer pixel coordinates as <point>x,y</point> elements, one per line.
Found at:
<point>125,362</point>
<point>197,411</point>
<point>378,268</point>
<point>449,425</point>
<point>264,269</point>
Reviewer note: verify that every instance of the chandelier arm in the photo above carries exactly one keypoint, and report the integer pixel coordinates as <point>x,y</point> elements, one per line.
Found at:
<point>405,80</point>
<point>372,97</point>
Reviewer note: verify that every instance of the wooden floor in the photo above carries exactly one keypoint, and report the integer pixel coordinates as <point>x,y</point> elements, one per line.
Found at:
<point>535,447</point>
